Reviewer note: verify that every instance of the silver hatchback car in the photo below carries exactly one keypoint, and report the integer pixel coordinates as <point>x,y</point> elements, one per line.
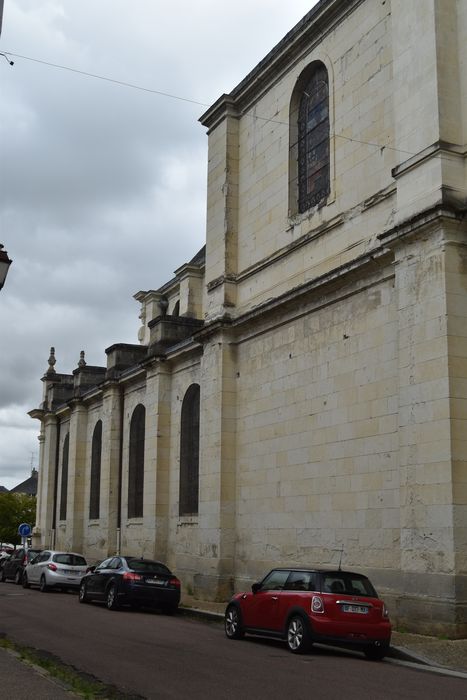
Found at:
<point>51,569</point>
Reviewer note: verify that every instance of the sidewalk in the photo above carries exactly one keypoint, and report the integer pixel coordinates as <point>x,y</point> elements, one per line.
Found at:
<point>23,682</point>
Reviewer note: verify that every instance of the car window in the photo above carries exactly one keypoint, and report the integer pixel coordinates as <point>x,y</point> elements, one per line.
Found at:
<point>104,564</point>
<point>143,565</point>
<point>275,581</point>
<point>42,557</point>
<point>69,559</point>
<point>349,584</point>
<point>300,581</point>
<point>115,563</point>
<point>18,554</point>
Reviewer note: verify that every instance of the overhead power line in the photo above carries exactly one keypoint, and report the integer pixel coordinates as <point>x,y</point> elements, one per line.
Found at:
<point>133,86</point>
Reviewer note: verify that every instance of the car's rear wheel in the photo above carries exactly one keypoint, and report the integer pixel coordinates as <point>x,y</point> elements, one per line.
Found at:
<point>298,636</point>
<point>376,653</point>
<point>18,577</point>
<point>25,582</point>
<point>111,600</point>
<point>43,587</point>
<point>83,593</point>
<point>233,623</point>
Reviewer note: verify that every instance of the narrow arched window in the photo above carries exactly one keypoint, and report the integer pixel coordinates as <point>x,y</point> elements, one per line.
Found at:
<point>309,139</point>
<point>96,452</point>
<point>64,483</point>
<point>189,452</point>
<point>136,463</point>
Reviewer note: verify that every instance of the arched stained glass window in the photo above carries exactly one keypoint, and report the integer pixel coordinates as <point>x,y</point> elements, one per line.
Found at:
<point>64,482</point>
<point>136,463</point>
<point>96,452</point>
<point>189,452</point>
<point>309,139</point>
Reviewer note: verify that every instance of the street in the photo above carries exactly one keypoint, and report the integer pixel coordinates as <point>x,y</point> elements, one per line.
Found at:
<point>158,656</point>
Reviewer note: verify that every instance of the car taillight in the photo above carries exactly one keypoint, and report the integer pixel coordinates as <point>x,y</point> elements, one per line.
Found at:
<point>317,604</point>
<point>130,576</point>
<point>52,567</point>
<point>174,582</point>
<point>385,612</point>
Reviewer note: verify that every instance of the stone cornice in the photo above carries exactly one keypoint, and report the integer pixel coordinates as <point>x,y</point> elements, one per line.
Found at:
<point>422,221</point>
<point>444,147</point>
<point>311,29</point>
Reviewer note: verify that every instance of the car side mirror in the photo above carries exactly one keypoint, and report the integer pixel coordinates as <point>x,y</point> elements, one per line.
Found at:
<point>256,587</point>
<point>90,569</point>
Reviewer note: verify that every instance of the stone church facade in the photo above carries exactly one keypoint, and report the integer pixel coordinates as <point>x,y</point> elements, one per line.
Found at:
<point>298,393</point>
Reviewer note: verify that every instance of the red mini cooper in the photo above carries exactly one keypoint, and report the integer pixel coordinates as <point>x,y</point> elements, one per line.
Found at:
<point>304,606</point>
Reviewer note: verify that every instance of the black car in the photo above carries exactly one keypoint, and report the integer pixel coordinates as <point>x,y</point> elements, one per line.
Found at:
<point>13,568</point>
<point>132,581</point>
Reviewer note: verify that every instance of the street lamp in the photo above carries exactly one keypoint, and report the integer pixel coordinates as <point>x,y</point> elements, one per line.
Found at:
<point>5,263</point>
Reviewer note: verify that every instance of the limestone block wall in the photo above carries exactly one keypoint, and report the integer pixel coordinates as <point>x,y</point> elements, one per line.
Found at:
<point>317,443</point>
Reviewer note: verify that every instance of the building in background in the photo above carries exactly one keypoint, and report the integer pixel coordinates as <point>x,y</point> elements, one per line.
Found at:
<point>299,389</point>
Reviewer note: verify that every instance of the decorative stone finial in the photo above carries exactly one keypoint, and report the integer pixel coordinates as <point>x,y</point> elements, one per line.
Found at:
<point>82,361</point>
<point>52,361</point>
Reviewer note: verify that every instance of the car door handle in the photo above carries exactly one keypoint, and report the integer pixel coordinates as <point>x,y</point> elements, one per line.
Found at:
<point>274,597</point>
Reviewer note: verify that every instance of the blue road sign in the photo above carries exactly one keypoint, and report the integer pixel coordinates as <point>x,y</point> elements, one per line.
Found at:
<point>24,530</point>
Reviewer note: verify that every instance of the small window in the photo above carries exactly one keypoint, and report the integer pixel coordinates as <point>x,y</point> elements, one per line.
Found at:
<point>300,581</point>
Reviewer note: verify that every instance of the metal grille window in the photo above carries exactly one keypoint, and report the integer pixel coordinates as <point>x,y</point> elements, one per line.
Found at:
<point>94,498</point>
<point>189,452</point>
<point>64,483</point>
<point>136,463</point>
<point>313,140</point>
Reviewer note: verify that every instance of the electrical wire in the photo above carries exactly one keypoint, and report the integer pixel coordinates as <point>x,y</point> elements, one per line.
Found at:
<point>133,86</point>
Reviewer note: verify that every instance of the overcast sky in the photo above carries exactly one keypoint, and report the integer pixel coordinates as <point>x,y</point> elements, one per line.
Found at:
<point>102,187</point>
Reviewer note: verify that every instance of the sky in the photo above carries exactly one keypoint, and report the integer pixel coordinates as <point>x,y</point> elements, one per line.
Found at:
<point>103,186</point>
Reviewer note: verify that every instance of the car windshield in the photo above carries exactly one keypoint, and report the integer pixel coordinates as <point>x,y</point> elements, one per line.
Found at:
<point>69,559</point>
<point>145,566</point>
<point>347,583</point>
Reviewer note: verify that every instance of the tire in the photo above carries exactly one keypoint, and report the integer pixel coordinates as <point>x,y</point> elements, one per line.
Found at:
<point>298,636</point>
<point>3,577</point>
<point>83,596</point>
<point>374,653</point>
<point>43,587</point>
<point>18,577</point>
<point>25,582</point>
<point>233,623</point>
<point>111,598</point>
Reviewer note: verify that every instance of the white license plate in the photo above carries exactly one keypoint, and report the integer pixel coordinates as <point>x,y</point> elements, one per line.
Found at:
<point>158,581</point>
<point>361,609</point>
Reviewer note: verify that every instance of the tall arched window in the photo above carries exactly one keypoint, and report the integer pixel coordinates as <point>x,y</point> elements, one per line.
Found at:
<point>136,463</point>
<point>309,139</point>
<point>189,452</point>
<point>94,497</point>
<point>64,483</point>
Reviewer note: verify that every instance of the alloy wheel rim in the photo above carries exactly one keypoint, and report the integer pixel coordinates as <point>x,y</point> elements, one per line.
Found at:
<point>110,596</point>
<point>231,622</point>
<point>295,635</point>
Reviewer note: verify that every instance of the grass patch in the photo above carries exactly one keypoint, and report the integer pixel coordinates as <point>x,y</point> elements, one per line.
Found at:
<point>83,684</point>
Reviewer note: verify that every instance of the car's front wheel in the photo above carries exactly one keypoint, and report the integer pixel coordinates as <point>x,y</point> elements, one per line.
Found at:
<point>83,594</point>
<point>43,587</point>
<point>233,623</point>
<point>111,600</point>
<point>298,636</point>
<point>25,582</point>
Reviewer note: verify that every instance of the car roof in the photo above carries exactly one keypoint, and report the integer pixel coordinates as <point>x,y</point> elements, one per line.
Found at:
<point>317,570</point>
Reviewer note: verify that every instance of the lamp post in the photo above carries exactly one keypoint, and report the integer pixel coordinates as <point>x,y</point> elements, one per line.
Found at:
<point>5,263</point>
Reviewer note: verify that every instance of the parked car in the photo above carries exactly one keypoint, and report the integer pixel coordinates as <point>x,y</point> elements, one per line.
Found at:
<point>133,581</point>
<point>52,569</point>
<point>303,606</point>
<point>13,568</point>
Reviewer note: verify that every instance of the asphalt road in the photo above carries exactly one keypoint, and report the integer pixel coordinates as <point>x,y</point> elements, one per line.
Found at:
<point>161,657</point>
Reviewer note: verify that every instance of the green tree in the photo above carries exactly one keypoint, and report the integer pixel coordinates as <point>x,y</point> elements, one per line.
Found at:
<point>15,508</point>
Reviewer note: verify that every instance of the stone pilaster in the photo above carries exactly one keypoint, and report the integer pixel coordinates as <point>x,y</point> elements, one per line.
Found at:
<point>217,510</point>
<point>77,463</point>
<point>46,485</point>
<point>110,467</point>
